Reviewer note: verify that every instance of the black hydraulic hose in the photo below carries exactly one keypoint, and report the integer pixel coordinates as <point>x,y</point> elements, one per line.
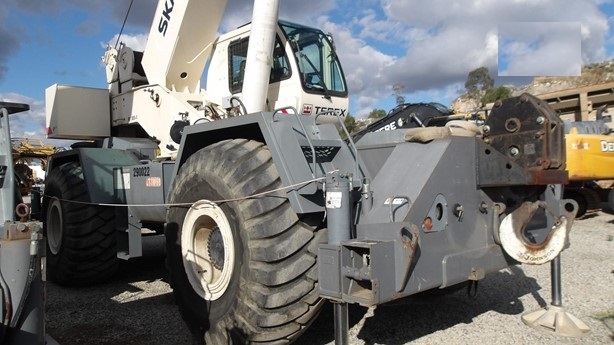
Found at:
<point>8,308</point>
<point>233,98</point>
<point>26,290</point>
<point>8,305</point>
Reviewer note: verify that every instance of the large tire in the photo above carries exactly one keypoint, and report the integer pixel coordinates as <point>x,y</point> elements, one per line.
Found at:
<point>580,199</point>
<point>588,200</point>
<point>267,291</point>
<point>81,239</point>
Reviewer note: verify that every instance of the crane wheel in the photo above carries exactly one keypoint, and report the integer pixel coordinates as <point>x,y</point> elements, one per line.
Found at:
<point>588,200</point>
<point>243,270</point>
<point>81,241</point>
<point>580,199</point>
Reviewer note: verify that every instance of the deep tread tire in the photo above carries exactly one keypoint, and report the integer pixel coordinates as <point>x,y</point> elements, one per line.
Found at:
<point>272,296</point>
<point>84,244</point>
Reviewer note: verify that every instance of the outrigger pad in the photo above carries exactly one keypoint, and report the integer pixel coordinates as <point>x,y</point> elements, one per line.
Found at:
<point>557,320</point>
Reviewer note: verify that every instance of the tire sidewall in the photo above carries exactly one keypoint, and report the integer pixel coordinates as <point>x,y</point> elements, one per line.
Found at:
<point>272,294</point>
<point>53,189</point>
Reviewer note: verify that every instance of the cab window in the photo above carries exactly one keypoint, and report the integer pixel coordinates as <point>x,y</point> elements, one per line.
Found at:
<point>237,57</point>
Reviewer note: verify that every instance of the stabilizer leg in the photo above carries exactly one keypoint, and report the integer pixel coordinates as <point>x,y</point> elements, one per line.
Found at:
<point>338,213</point>
<point>341,323</point>
<point>554,318</point>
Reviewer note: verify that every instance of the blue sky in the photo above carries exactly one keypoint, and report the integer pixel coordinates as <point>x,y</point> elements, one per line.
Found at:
<point>381,43</point>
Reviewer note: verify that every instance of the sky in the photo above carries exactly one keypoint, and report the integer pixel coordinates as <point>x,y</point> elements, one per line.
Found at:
<point>425,48</point>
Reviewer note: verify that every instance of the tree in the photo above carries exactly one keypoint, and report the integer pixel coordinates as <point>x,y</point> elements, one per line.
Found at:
<point>478,83</point>
<point>479,80</point>
<point>497,93</point>
<point>350,125</point>
<point>377,114</point>
<point>398,93</point>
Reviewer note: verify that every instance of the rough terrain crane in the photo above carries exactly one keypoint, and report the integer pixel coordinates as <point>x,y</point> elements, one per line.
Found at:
<point>268,213</point>
<point>152,96</point>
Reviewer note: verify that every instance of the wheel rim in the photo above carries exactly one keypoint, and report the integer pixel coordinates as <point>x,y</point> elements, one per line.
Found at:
<point>54,226</point>
<point>207,272</point>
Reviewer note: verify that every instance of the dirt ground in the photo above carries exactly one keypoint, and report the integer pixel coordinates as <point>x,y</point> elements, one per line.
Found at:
<point>137,307</point>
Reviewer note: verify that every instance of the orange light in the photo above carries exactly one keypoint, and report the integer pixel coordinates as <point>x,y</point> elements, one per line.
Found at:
<point>428,223</point>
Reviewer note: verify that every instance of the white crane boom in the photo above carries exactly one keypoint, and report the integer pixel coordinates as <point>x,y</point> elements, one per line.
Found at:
<point>180,40</point>
<point>260,54</point>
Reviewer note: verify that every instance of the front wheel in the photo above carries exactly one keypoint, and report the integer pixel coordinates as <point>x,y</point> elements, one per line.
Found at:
<point>242,270</point>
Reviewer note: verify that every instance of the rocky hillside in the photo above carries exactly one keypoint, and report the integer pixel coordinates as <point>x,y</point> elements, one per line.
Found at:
<point>595,73</point>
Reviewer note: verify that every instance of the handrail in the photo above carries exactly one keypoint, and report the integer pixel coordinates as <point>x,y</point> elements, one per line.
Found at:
<point>314,172</point>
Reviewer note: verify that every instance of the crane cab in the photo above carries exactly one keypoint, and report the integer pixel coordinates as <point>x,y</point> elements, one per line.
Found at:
<point>305,71</point>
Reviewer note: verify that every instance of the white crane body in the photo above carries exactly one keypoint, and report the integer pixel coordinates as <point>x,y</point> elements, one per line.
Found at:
<point>153,91</point>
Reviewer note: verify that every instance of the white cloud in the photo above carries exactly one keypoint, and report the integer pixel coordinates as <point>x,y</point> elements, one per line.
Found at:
<point>363,65</point>
<point>29,123</point>
<point>542,48</point>
<point>136,42</point>
<point>449,39</point>
<point>239,12</point>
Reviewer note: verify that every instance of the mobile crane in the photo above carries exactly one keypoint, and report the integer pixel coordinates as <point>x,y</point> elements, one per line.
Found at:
<point>151,97</point>
<point>269,213</point>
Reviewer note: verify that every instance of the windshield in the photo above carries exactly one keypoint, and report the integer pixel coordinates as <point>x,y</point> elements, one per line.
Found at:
<point>316,59</point>
<point>441,108</point>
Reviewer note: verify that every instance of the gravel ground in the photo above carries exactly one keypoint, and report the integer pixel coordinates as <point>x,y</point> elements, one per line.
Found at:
<point>137,307</point>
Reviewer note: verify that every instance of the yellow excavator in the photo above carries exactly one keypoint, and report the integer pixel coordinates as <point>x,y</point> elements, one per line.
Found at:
<point>25,152</point>
<point>590,162</point>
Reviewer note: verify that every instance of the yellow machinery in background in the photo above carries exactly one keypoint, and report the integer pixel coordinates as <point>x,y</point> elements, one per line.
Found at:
<point>25,152</point>
<point>589,143</point>
<point>590,162</point>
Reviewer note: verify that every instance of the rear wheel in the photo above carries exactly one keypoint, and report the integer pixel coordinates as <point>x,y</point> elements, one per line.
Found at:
<point>588,200</point>
<point>242,271</point>
<point>579,199</point>
<point>81,242</point>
